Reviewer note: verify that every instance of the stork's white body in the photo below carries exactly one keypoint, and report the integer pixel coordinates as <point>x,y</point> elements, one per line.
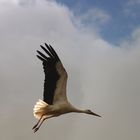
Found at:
<point>56,110</point>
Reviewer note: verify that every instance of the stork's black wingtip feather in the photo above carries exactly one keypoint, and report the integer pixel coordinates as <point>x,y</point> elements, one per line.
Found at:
<point>37,51</point>
<point>46,45</point>
<point>50,51</point>
<point>40,58</point>
<point>47,51</point>
<point>42,55</point>
<point>41,46</point>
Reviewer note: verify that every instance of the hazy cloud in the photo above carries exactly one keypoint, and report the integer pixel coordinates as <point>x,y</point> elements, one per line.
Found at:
<point>102,77</point>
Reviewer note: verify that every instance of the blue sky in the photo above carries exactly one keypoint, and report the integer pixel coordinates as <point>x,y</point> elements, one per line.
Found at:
<point>124,16</point>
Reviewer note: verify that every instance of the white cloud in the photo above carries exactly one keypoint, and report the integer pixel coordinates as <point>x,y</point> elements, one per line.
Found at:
<point>94,18</point>
<point>131,8</point>
<point>133,41</point>
<point>18,1</point>
<point>96,15</point>
<point>102,77</point>
<point>131,3</point>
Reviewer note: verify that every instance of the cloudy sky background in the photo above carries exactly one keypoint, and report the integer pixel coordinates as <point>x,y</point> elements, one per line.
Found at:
<point>98,42</point>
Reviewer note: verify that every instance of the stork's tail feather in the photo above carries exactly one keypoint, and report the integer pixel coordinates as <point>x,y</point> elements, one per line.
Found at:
<point>40,109</point>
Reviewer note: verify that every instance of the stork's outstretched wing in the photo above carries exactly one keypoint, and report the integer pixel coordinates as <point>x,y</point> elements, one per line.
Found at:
<point>55,76</point>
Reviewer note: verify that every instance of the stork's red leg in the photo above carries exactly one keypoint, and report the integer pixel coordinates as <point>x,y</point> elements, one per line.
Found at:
<point>36,128</point>
<point>42,120</point>
<point>37,123</point>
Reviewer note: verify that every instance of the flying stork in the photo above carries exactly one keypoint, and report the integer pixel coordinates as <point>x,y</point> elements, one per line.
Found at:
<point>55,102</point>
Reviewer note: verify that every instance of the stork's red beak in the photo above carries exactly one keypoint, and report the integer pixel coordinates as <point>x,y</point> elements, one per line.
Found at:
<point>92,113</point>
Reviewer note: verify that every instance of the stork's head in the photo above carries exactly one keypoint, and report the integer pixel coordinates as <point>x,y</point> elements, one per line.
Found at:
<point>91,113</point>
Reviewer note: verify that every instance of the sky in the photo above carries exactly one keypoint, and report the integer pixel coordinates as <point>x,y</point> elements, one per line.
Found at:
<point>121,17</point>
<point>98,43</point>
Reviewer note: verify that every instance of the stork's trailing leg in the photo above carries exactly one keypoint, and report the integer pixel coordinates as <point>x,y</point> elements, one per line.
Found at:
<point>40,121</point>
<point>40,112</point>
<point>37,123</point>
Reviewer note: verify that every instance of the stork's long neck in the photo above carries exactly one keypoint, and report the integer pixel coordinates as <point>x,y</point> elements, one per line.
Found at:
<point>73,109</point>
<point>84,111</point>
<point>80,111</point>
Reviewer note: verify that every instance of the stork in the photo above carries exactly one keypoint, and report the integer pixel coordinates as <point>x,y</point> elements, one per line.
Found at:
<point>55,102</point>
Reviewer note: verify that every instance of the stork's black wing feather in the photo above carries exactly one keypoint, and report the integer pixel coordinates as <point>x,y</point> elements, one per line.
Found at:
<point>51,73</point>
